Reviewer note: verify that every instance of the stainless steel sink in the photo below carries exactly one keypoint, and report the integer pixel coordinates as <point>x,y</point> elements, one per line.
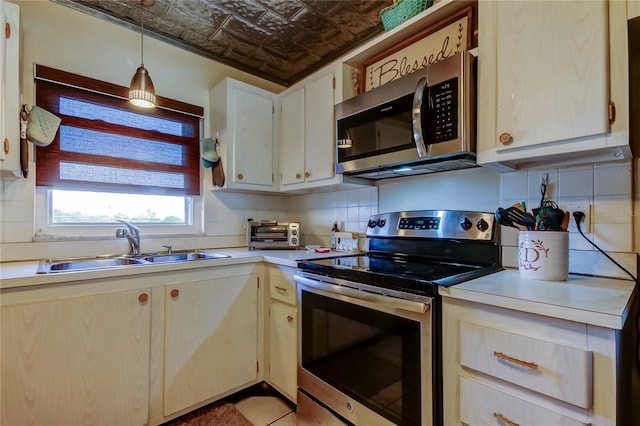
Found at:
<point>48,266</point>
<point>66,265</point>
<point>183,257</point>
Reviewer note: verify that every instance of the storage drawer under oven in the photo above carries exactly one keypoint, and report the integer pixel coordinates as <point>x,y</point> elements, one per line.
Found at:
<point>559,371</point>
<point>484,405</point>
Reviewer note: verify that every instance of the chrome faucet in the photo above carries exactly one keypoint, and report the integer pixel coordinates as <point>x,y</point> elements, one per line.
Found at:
<point>132,234</point>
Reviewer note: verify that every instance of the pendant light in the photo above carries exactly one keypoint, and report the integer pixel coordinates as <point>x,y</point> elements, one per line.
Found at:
<point>141,90</point>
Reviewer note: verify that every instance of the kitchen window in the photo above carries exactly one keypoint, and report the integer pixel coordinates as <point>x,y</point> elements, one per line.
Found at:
<point>111,160</point>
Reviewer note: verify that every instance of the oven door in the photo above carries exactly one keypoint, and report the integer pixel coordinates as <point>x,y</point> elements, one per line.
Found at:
<point>366,356</point>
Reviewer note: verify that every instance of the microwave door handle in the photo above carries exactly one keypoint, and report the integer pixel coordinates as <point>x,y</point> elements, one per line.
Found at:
<point>417,118</point>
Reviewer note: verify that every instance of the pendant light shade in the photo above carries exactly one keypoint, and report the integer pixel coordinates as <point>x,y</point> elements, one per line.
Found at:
<point>141,90</point>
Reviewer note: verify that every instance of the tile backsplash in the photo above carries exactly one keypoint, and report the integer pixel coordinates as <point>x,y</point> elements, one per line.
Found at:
<point>602,190</point>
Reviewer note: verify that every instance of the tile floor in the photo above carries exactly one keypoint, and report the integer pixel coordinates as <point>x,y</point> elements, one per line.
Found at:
<point>267,410</point>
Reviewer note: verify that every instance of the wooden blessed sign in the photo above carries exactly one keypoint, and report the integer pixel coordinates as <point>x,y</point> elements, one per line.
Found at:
<point>430,45</point>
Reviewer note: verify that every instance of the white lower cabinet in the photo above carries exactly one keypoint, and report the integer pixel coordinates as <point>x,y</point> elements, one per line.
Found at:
<point>481,404</point>
<point>282,348</point>
<point>282,341</point>
<point>502,366</point>
<point>211,339</point>
<point>75,360</point>
<point>136,350</point>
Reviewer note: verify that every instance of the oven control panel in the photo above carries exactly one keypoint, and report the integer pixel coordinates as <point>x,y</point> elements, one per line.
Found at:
<point>423,222</point>
<point>451,224</point>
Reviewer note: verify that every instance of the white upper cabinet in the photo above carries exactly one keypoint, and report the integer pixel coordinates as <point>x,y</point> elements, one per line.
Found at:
<point>307,142</point>
<point>544,90</point>
<point>633,8</point>
<point>292,140</point>
<point>242,117</point>
<point>10,91</point>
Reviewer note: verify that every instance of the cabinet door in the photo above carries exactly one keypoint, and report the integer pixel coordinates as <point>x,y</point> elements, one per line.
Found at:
<point>292,138</point>
<point>282,348</point>
<point>319,133</point>
<point>252,116</point>
<point>552,70</point>
<point>77,361</point>
<point>10,91</point>
<point>543,70</point>
<point>211,339</point>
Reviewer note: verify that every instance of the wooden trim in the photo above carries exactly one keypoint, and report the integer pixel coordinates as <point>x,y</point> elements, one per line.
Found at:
<point>43,72</point>
<point>469,12</point>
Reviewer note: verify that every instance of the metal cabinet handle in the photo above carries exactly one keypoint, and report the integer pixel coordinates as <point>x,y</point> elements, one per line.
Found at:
<point>298,175</point>
<point>416,116</point>
<point>7,146</point>
<point>289,319</point>
<point>526,364</point>
<point>7,30</point>
<point>282,289</point>
<point>175,293</point>
<point>505,138</point>
<point>307,174</point>
<point>143,297</point>
<point>240,176</point>
<point>500,417</point>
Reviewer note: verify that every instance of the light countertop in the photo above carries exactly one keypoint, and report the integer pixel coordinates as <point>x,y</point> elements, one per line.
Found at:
<point>591,300</point>
<point>23,274</point>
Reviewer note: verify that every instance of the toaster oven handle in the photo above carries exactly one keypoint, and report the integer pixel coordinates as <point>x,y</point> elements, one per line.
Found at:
<point>417,118</point>
<point>351,294</point>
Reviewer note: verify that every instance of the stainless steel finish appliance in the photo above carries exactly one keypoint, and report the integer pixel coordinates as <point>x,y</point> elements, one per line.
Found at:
<point>423,122</point>
<point>369,331</point>
<point>271,234</point>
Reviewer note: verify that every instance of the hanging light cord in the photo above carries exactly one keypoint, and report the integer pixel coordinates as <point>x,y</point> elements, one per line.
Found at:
<point>142,37</point>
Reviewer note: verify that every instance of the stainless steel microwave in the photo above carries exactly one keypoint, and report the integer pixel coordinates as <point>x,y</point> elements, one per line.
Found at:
<point>423,122</point>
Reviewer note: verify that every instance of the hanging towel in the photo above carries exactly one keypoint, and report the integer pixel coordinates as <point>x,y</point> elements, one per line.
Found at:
<point>216,170</point>
<point>42,126</point>
<point>209,154</point>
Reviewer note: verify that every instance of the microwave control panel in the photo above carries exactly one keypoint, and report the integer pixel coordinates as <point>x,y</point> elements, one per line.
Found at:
<point>444,111</point>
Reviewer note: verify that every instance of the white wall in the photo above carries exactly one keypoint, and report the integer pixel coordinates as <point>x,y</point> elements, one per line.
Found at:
<point>475,189</point>
<point>60,37</point>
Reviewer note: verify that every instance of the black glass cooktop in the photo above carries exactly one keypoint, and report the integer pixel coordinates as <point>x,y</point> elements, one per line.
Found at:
<point>414,275</point>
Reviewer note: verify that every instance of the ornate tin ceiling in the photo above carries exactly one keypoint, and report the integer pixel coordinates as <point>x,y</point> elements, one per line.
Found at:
<point>279,40</point>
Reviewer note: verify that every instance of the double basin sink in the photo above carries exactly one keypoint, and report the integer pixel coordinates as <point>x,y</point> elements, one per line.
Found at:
<point>48,266</point>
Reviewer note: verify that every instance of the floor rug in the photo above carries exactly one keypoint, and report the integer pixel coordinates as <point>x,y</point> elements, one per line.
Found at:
<point>222,414</point>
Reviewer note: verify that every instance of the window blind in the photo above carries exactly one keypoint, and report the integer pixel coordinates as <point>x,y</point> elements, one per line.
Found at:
<point>107,144</point>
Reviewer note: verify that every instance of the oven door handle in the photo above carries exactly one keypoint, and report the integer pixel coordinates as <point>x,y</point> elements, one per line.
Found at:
<point>355,294</point>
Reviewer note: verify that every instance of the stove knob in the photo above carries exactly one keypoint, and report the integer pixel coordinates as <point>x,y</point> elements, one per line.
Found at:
<point>372,223</point>
<point>466,224</point>
<point>381,223</point>
<point>482,225</point>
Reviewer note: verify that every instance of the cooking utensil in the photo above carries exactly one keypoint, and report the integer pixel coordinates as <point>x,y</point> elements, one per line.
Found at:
<point>503,219</point>
<point>556,217</point>
<point>565,221</point>
<point>515,218</point>
<point>542,223</point>
<point>520,217</point>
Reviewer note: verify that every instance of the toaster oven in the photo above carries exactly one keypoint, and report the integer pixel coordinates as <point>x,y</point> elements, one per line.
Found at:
<point>271,234</point>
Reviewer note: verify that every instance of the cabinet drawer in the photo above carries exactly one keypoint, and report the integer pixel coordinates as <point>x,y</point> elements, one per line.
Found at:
<point>555,370</point>
<point>484,405</point>
<point>282,287</point>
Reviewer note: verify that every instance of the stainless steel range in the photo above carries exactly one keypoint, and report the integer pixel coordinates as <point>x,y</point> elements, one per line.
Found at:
<point>369,333</point>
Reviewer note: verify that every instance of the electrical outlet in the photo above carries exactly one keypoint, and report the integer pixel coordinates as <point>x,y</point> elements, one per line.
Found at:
<point>583,207</point>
